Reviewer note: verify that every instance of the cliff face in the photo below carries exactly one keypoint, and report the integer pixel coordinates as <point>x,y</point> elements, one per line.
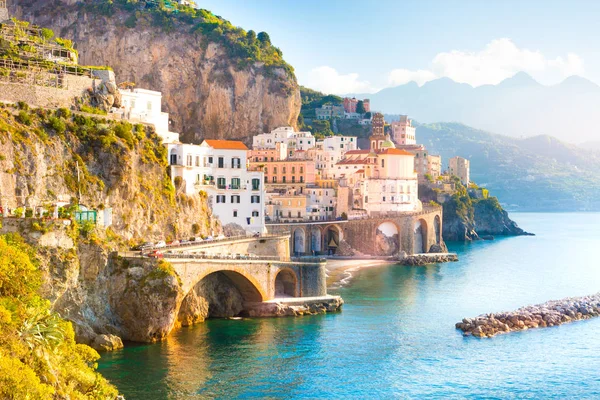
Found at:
<point>205,93</point>
<point>466,219</point>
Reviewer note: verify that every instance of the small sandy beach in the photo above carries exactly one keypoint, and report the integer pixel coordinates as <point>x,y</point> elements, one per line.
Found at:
<point>341,271</point>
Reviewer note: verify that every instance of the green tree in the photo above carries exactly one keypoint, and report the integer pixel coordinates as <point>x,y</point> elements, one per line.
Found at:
<point>264,38</point>
<point>360,107</point>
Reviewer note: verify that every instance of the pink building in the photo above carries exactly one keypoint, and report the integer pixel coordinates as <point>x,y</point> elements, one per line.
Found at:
<point>367,104</point>
<point>287,172</point>
<point>266,155</point>
<point>403,133</point>
<point>350,104</point>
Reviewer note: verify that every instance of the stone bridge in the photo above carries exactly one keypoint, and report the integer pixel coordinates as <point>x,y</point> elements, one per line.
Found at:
<point>257,280</point>
<point>386,235</point>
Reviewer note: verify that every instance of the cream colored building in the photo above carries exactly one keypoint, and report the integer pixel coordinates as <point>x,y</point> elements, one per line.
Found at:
<point>460,167</point>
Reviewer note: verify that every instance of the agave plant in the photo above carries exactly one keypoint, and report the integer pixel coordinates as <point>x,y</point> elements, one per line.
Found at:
<point>42,330</point>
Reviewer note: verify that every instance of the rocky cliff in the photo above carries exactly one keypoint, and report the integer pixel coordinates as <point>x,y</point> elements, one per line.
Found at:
<point>468,219</point>
<point>120,167</point>
<point>209,90</point>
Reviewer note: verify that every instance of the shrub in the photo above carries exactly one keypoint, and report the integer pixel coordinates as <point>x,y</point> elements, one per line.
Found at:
<point>21,105</point>
<point>195,229</point>
<point>24,118</point>
<point>47,34</point>
<point>57,124</point>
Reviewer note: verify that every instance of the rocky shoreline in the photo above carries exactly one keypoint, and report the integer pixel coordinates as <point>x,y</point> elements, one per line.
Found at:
<point>424,259</point>
<point>551,313</point>
<point>295,308</point>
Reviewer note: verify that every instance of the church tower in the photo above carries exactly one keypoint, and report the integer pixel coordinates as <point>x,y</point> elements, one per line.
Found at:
<point>378,134</point>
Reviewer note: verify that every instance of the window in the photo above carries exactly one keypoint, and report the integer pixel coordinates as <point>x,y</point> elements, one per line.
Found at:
<point>383,198</point>
<point>299,214</point>
<point>235,199</point>
<point>284,169</point>
<point>221,163</point>
<point>293,170</point>
<point>189,160</point>
<point>235,213</point>
<point>283,179</point>
<point>255,199</point>
<point>197,161</point>
<point>266,179</point>
<point>274,179</point>
<point>221,183</point>
<point>255,184</point>
<point>289,214</point>
<point>275,170</point>
<point>210,160</point>
<point>235,183</point>
<point>293,179</point>
<point>382,163</point>
<point>236,163</point>
<point>220,198</point>
<point>255,213</point>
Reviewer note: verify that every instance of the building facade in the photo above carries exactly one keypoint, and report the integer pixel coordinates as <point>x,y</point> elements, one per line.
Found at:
<point>460,167</point>
<point>218,168</point>
<point>403,133</point>
<point>286,134</point>
<point>142,105</point>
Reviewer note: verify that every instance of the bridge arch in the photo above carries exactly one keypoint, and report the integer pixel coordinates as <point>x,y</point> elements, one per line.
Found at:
<point>249,287</point>
<point>299,241</point>
<point>332,236</point>
<point>437,227</point>
<point>420,236</point>
<point>387,238</point>
<point>285,283</point>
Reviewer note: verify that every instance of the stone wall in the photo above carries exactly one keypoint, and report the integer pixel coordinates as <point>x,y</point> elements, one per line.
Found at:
<point>42,96</point>
<point>269,246</point>
<point>361,234</point>
<point>45,233</point>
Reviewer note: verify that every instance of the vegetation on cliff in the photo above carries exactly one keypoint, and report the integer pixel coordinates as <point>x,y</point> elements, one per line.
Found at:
<point>244,46</point>
<point>100,162</point>
<point>39,358</point>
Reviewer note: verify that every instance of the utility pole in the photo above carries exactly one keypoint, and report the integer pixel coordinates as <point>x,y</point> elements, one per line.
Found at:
<point>78,186</point>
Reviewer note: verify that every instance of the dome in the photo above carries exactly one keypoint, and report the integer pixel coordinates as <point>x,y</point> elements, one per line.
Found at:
<point>388,144</point>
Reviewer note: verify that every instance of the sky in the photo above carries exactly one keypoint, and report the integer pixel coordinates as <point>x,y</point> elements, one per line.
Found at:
<point>364,46</point>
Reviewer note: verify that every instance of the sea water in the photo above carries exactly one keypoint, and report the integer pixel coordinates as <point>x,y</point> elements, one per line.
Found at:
<point>395,337</point>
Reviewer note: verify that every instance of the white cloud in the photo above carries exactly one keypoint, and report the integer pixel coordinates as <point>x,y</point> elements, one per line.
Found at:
<point>328,80</point>
<point>499,59</point>
<point>401,76</point>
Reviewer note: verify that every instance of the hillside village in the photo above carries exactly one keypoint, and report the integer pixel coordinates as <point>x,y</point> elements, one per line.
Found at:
<point>286,177</point>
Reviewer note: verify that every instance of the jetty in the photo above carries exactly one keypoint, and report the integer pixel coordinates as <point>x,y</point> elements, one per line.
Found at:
<point>551,313</point>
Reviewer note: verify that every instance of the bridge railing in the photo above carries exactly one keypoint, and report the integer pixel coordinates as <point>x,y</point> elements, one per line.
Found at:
<point>214,240</point>
<point>235,257</point>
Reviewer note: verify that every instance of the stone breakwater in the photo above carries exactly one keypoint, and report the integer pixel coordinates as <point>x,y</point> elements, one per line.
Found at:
<point>295,307</point>
<point>428,258</point>
<point>551,313</point>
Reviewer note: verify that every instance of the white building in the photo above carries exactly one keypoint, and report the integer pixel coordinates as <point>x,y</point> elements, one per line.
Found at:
<point>142,105</point>
<point>381,180</point>
<point>329,151</point>
<point>218,167</point>
<point>321,203</point>
<point>286,134</point>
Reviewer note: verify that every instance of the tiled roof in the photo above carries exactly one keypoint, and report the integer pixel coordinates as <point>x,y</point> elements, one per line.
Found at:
<point>399,152</point>
<point>357,152</point>
<point>226,144</point>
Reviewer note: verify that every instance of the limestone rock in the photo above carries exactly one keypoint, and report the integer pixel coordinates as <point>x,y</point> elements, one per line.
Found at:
<point>107,343</point>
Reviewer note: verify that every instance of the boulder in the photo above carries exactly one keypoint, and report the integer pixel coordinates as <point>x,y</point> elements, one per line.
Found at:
<point>107,343</point>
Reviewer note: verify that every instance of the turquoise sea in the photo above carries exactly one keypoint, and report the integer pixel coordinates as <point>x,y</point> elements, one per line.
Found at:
<point>395,337</point>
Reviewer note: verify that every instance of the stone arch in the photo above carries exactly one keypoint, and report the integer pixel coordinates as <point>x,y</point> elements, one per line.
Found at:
<point>437,227</point>
<point>315,239</point>
<point>387,239</point>
<point>286,283</point>
<point>299,241</point>
<point>420,237</point>
<point>245,282</point>
<point>332,236</point>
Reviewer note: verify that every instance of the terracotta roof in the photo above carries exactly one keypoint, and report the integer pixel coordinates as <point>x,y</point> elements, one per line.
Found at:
<point>360,171</point>
<point>226,144</point>
<point>357,152</point>
<point>399,152</point>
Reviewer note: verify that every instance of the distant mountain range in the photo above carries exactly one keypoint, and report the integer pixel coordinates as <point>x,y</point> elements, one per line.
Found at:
<point>539,173</point>
<point>518,106</point>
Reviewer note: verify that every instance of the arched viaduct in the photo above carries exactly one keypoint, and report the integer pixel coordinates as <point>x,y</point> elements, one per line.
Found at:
<point>411,232</point>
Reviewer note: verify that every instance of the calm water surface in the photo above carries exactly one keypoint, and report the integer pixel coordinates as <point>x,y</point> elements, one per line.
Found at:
<point>395,337</point>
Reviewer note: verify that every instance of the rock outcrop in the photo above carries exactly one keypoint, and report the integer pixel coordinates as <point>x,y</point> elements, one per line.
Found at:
<point>551,313</point>
<point>491,220</point>
<point>205,92</point>
<point>298,308</point>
